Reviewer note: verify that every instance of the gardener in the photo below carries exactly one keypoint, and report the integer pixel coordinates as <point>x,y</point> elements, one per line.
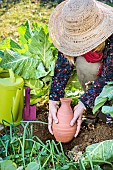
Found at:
<point>82,32</point>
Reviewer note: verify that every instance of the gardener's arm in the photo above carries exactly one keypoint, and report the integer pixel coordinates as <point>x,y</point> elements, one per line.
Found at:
<point>63,70</point>
<point>88,98</point>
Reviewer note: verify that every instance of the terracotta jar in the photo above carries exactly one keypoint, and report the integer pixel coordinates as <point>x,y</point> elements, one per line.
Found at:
<point>62,131</point>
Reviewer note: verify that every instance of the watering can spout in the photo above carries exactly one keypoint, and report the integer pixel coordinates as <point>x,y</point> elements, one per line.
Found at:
<point>16,101</point>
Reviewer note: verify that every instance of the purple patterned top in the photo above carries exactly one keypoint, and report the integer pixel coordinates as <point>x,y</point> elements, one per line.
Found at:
<point>63,70</point>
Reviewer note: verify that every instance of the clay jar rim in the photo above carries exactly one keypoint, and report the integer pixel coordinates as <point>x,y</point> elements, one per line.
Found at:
<point>65,99</point>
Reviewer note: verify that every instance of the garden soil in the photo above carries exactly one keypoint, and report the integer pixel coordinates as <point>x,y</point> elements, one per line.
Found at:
<point>92,131</point>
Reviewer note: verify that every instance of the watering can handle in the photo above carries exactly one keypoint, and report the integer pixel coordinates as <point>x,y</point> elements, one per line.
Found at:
<point>27,98</point>
<point>12,76</point>
<point>16,101</point>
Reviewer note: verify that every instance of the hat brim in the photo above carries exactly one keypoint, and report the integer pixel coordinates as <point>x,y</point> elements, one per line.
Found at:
<point>75,45</point>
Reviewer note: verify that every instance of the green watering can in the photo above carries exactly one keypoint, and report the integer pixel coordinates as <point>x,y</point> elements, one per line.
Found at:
<point>11,99</point>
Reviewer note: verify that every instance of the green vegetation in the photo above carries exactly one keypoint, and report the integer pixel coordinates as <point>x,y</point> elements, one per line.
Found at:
<point>25,151</point>
<point>33,58</point>
<point>105,96</point>
<point>19,149</point>
<point>13,17</point>
<point>28,151</point>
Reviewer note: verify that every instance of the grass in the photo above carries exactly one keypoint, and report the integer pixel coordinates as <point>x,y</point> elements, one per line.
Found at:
<point>10,19</point>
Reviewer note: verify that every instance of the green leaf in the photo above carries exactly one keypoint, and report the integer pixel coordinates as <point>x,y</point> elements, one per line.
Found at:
<point>108,109</point>
<point>5,44</point>
<point>1,160</point>
<point>34,84</point>
<point>8,165</point>
<point>51,67</point>
<point>38,27</point>
<point>14,44</point>
<point>82,165</point>
<point>107,92</point>
<point>32,166</point>
<point>99,102</point>
<point>110,83</point>
<point>41,46</point>
<point>47,79</point>
<point>10,44</point>
<point>97,167</point>
<point>65,167</point>
<point>1,55</point>
<point>6,137</point>
<point>23,65</point>
<point>33,57</point>
<point>101,151</point>
<point>25,32</point>
<point>34,100</point>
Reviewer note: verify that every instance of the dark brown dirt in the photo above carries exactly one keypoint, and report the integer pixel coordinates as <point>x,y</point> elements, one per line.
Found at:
<point>91,132</point>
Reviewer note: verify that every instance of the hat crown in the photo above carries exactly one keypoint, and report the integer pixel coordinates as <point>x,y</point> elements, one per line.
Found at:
<point>78,26</point>
<point>77,13</point>
<point>75,8</point>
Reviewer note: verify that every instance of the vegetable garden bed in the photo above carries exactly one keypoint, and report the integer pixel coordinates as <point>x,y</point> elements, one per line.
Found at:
<point>34,147</point>
<point>92,131</point>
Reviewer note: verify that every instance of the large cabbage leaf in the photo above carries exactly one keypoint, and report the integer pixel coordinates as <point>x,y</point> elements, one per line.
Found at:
<point>98,154</point>
<point>42,48</point>
<point>23,65</point>
<point>101,151</point>
<point>106,94</point>
<point>33,57</point>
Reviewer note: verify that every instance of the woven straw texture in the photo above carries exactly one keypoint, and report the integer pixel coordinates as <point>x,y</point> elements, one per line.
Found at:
<point>78,26</point>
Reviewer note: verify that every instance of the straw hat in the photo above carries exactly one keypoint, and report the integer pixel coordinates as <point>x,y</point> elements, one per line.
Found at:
<point>78,26</point>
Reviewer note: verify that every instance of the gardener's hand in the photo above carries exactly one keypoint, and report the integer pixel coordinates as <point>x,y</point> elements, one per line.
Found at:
<point>78,112</point>
<point>53,107</point>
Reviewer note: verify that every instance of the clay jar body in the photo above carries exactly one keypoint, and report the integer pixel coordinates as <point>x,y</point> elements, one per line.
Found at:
<point>62,131</point>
